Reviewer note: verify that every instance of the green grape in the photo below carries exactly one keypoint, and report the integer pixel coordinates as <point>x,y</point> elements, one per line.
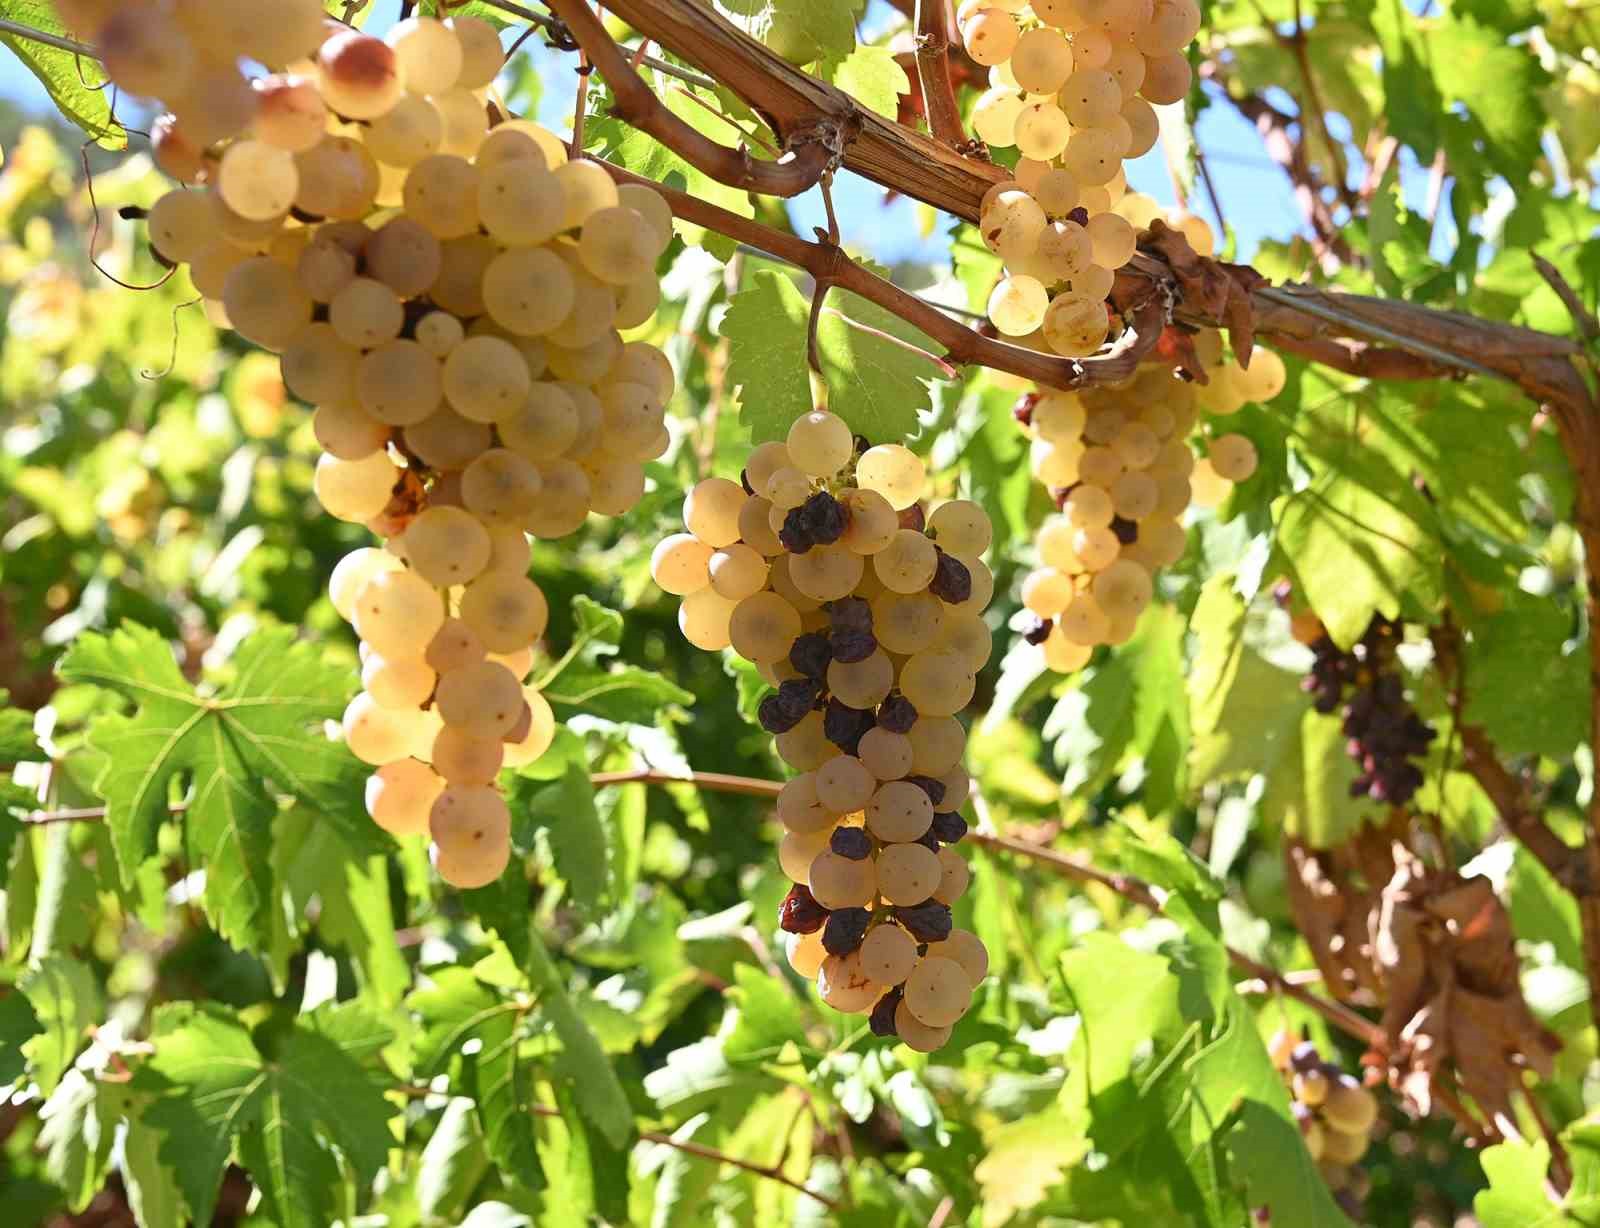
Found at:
<point>908,873</point>
<point>844,785</point>
<point>355,490</point>
<point>938,992</point>
<point>888,954</point>
<point>483,699</point>
<point>506,610</point>
<point>265,303</point>
<point>401,683</point>
<point>400,795</point>
<point>446,546</point>
<point>899,812</point>
<point>441,193</point>
<point>338,178</point>
<point>444,440</point>
<point>399,382</point>
<point>763,627</point>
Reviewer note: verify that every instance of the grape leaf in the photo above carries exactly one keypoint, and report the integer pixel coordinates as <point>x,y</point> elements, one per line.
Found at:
<point>66,1001</point>
<point>79,1123</point>
<point>1517,1174</point>
<point>18,1025</point>
<point>226,747</point>
<point>769,1016</point>
<point>874,78</point>
<point>62,73</point>
<point>587,679</point>
<point>293,1114</point>
<point>1250,716</point>
<point>870,361</point>
<point>452,1163</point>
<point>1499,83</point>
<point>153,1191</point>
<point>765,328</point>
<point>1528,648</point>
<point>801,31</point>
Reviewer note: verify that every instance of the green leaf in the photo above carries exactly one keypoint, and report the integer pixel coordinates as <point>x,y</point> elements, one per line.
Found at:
<point>873,77</point>
<point>79,1124</point>
<point>1498,82</point>
<point>357,915</point>
<point>1250,716</point>
<point>765,328</point>
<point>587,679</point>
<point>18,1025</point>
<point>297,1116</point>
<point>66,1001</point>
<point>1517,1173</point>
<point>153,1190</point>
<point>564,810</point>
<point>769,1016</point>
<point>452,1163</point>
<point>227,748</point>
<point>801,31</point>
<point>584,1066</point>
<point>17,741</point>
<point>62,73</point>
<point>1360,552</point>
<point>1528,648</point>
<point>876,384</point>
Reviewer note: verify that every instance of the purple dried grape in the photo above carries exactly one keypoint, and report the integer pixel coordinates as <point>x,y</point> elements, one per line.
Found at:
<point>897,714</point>
<point>774,717</point>
<point>929,921</point>
<point>843,725</point>
<point>948,826</point>
<point>852,646</point>
<point>933,788</point>
<point>1022,411</point>
<point>794,536</point>
<point>881,1020</point>
<point>914,517</point>
<point>851,842</point>
<point>1127,531</point>
<point>845,929</point>
<point>825,518</point>
<point>800,913</point>
<point>952,579</point>
<point>810,655</point>
<point>1038,631</point>
<point>850,614</point>
<point>928,841</point>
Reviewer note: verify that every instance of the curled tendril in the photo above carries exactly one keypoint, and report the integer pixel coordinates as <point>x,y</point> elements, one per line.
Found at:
<point>94,233</point>
<point>172,358</point>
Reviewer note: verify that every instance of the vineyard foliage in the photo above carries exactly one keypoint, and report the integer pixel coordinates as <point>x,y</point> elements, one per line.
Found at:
<point>226,996</point>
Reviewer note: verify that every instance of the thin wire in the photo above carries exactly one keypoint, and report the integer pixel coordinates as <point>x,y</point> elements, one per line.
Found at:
<point>550,23</point>
<point>1308,304</point>
<point>57,41</point>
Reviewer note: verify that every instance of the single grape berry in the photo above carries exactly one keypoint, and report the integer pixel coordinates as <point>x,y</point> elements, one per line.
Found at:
<point>933,788</point>
<point>1305,1058</point>
<point>782,712</point>
<point>897,714</point>
<point>850,614</point>
<point>1038,631</point>
<point>1022,411</point>
<point>881,1020</point>
<point>851,842</point>
<point>914,518</point>
<point>948,826</point>
<point>844,930</point>
<point>928,921</point>
<point>928,841</point>
<point>849,647</point>
<point>824,517</point>
<point>795,537</point>
<point>800,913</point>
<point>952,579</point>
<point>843,725</point>
<point>1127,531</point>
<point>811,655</point>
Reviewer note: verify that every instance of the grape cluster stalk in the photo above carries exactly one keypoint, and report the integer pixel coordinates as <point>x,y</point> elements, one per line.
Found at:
<point>448,295</point>
<point>1073,87</point>
<point>1118,463</point>
<point>1336,1116</point>
<point>864,612</point>
<point>1364,685</point>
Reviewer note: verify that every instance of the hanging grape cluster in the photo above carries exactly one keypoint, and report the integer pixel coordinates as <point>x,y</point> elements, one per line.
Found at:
<point>865,613</point>
<point>1117,461</point>
<point>1364,684</point>
<point>1072,88</point>
<point>1335,1113</point>
<point>448,295</point>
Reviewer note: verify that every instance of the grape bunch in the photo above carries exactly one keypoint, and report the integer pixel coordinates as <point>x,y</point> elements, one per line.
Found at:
<point>865,614</point>
<point>448,295</point>
<point>1385,734</point>
<point>1118,463</point>
<point>1072,85</point>
<point>1335,1113</point>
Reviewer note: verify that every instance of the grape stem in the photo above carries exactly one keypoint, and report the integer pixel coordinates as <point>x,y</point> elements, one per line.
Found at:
<point>637,104</point>
<point>17,30</point>
<point>933,71</point>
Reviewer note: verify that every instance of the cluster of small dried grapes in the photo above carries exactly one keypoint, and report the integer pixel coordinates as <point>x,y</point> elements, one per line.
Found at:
<point>1385,734</point>
<point>447,293</point>
<point>822,568</point>
<point>1335,1113</point>
<point>1117,461</point>
<point>1071,88</point>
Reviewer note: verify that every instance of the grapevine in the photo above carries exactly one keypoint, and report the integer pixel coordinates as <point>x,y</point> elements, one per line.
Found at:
<point>448,296</point>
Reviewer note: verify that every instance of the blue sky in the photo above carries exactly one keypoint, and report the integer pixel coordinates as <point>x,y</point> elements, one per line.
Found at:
<point>1255,196</point>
